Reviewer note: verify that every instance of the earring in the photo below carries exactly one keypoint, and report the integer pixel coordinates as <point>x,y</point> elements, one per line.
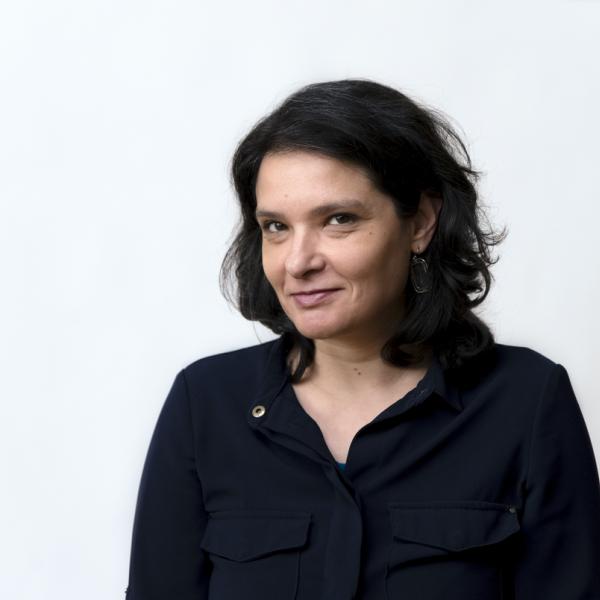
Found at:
<point>418,274</point>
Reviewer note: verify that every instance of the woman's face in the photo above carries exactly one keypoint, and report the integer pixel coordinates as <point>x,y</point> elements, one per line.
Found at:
<point>325,226</point>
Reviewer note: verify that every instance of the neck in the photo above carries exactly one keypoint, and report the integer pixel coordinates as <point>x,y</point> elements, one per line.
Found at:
<point>352,368</point>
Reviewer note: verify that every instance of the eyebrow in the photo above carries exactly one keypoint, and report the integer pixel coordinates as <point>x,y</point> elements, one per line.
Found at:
<point>318,211</point>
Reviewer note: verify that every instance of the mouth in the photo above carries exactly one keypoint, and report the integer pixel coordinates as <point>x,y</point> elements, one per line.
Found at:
<point>314,297</point>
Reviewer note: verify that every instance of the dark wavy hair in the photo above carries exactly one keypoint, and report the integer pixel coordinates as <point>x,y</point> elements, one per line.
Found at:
<point>405,148</point>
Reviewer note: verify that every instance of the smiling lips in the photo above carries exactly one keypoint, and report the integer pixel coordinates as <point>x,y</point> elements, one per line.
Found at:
<point>313,298</point>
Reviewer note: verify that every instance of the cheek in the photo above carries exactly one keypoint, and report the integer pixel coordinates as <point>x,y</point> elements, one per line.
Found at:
<point>366,263</point>
<point>378,277</point>
<point>272,267</point>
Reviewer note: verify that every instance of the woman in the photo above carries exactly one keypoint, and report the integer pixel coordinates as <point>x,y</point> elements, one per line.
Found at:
<point>384,446</point>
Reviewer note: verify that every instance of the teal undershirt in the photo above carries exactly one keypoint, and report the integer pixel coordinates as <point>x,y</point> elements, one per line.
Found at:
<point>341,465</point>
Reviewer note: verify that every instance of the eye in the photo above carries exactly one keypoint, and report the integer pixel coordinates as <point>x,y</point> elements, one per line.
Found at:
<point>267,224</point>
<point>347,219</point>
<point>350,218</point>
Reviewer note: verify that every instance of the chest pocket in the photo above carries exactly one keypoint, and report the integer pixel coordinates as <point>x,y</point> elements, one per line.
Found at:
<point>449,549</point>
<point>255,553</point>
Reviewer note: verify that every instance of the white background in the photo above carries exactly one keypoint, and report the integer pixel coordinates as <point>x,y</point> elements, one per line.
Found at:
<point>117,125</point>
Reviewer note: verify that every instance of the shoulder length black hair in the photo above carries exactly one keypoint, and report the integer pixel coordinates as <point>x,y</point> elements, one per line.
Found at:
<point>405,148</point>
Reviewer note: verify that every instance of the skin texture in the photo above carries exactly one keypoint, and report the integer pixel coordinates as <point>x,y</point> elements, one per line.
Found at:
<point>365,251</point>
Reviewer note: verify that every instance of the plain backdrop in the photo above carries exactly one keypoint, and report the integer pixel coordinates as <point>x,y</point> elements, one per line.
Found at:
<point>117,125</point>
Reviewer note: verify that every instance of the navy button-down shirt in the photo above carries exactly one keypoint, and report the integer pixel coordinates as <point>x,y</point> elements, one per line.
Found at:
<point>480,489</point>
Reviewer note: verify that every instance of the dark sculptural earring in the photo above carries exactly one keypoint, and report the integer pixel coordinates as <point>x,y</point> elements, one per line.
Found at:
<point>419,274</point>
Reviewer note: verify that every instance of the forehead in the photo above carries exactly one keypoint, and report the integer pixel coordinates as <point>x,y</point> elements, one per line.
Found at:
<point>301,169</point>
<point>297,179</point>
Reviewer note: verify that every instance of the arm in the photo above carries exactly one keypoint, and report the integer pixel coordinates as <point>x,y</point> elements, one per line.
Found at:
<point>166,561</point>
<point>559,553</point>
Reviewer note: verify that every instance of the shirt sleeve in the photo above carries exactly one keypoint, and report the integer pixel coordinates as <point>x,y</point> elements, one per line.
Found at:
<point>166,560</point>
<point>558,556</point>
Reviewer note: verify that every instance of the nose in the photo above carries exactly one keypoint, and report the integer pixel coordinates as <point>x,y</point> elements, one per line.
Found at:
<point>303,255</point>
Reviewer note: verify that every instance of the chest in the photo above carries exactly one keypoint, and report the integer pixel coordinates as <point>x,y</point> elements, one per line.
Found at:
<point>339,420</point>
<point>425,488</point>
<point>338,429</point>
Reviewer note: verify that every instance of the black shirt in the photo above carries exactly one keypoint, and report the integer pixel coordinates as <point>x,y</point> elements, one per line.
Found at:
<point>485,489</point>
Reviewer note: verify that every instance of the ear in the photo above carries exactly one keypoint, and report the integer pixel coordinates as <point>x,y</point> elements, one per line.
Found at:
<point>425,220</point>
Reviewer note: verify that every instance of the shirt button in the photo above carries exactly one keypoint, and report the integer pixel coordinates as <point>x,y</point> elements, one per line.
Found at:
<point>258,411</point>
<point>512,509</point>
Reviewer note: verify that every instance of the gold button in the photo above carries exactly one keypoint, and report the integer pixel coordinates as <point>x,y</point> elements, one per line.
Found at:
<point>258,411</point>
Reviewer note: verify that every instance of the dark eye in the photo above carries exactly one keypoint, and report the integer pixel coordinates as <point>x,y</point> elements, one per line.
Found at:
<point>267,224</point>
<point>346,217</point>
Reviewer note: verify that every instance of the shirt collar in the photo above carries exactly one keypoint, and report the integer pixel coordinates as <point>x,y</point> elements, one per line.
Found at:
<point>276,375</point>
<point>437,380</point>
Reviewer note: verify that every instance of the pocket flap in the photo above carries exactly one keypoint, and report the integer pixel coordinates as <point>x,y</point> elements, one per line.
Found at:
<point>243,535</point>
<point>452,526</point>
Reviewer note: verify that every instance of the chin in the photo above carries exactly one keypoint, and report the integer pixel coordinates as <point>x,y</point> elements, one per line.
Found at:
<point>319,330</point>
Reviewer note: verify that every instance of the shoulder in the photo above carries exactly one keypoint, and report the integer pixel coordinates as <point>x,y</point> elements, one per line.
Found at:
<point>507,373</point>
<point>517,374</point>
<point>519,359</point>
<point>521,366</point>
<point>506,388</point>
<point>230,367</point>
